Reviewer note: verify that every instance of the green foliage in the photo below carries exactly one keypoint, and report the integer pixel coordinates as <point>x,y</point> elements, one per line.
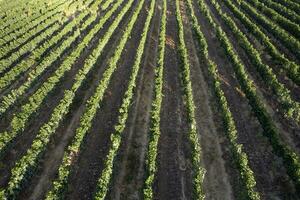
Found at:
<point>93,103</point>
<point>106,4</point>
<point>290,4</point>
<point>24,65</point>
<point>115,139</point>
<point>156,109</point>
<point>291,68</point>
<point>23,20</point>
<point>10,98</point>
<point>193,133</point>
<point>19,121</point>
<point>239,156</point>
<point>50,23</point>
<point>290,108</point>
<point>289,41</point>
<point>291,159</point>
<point>284,11</point>
<point>29,161</point>
<point>291,27</point>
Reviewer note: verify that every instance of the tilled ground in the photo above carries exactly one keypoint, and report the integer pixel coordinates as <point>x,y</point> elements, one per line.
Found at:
<point>174,176</point>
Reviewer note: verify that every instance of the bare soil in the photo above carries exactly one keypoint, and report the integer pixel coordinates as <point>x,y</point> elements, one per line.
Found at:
<point>129,173</point>
<point>174,174</point>
<point>90,163</point>
<point>268,169</point>
<point>23,141</point>
<point>287,128</point>
<point>174,177</point>
<point>217,184</point>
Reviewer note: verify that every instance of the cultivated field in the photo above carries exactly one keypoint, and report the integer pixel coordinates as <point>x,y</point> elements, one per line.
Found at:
<point>150,99</point>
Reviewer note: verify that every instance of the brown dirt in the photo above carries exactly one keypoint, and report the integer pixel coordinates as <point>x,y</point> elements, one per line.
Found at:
<point>129,172</point>
<point>47,172</point>
<point>267,58</point>
<point>9,53</point>
<point>22,77</point>
<point>90,163</point>
<point>279,44</point>
<point>217,55</point>
<point>217,184</point>
<point>8,115</point>
<point>268,169</point>
<point>174,175</point>
<point>23,141</point>
<point>287,128</point>
<point>174,178</point>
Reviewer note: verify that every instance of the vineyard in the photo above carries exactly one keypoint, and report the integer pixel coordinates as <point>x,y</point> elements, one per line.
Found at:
<point>150,99</point>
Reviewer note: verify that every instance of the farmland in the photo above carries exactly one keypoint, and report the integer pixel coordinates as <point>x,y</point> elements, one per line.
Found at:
<point>150,99</point>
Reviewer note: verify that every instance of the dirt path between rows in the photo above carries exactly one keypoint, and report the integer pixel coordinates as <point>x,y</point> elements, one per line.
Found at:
<point>271,177</point>
<point>88,168</point>
<point>49,164</point>
<point>288,129</point>
<point>216,182</point>
<point>129,177</point>
<point>174,175</point>
<point>266,58</point>
<point>278,43</point>
<point>21,143</point>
